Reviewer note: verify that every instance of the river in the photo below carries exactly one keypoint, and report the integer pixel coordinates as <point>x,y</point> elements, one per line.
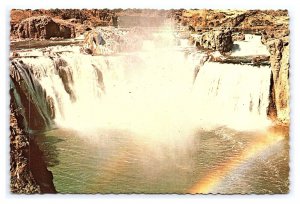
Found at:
<point>155,121</point>
<point>216,161</point>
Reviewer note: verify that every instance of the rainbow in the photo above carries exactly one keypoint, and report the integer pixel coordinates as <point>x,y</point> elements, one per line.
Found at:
<point>216,175</point>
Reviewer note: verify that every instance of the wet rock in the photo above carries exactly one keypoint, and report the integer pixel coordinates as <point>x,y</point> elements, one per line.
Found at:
<point>257,60</point>
<point>51,107</point>
<point>66,75</point>
<point>99,78</point>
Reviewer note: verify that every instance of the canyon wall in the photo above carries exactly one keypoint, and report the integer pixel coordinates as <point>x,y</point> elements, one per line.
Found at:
<point>68,23</point>
<point>28,171</point>
<point>43,27</point>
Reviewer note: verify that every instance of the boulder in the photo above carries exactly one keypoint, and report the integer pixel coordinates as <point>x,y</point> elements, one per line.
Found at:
<point>220,40</point>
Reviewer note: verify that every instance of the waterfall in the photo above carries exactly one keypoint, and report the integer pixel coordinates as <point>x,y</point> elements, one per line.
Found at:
<point>29,96</point>
<point>153,91</point>
<point>234,95</point>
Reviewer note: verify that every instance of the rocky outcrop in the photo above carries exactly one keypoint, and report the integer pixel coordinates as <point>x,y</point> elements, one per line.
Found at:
<point>79,20</point>
<point>246,21</point>
<point>42,27</point>
<point>277,43</point>
<point>110,40</point>
<point>220,40</point>
<point>28,170</point>
<point>259,60</point>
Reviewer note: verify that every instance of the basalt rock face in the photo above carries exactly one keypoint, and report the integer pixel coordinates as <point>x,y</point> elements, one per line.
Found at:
<point>277,43</point>
<point>217,40</point>
<point>27,168</point>
<point>21,178</point>
<point>78,20</point>
<point>42,27</point>
<point>250,21</point>
<point>81,20</point>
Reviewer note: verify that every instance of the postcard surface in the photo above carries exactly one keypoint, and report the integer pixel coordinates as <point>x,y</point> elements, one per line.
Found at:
<point>149,101</point>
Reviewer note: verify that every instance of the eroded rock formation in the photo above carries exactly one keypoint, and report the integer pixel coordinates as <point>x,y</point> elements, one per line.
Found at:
<point>43,27</point>
<point>85,19</point>
<point>220,40</point>
<point>277,43</point>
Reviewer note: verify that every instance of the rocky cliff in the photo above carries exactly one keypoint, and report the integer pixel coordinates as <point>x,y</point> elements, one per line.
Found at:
<point>28,171</point>
<point>61,23</point>
<point>43,27</point>
<point>68,23</point>
<point>277,42</point>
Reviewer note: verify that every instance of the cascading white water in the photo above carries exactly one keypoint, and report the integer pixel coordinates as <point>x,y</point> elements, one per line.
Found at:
<point>152,92</point>
<point>234,95</point>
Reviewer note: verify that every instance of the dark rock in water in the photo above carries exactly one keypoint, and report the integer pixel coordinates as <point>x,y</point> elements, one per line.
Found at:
<point>66,77</point>
<point>51,107</point>
<point>86,51</point>
<point>99,78</point>
<point>65,73</point>
<point>220,40</point>
<point>60,62</point>
<point>256,60</point>
<point>43,27</point>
